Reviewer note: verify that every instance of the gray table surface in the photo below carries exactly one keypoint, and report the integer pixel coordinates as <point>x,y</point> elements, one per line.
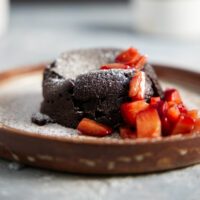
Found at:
<point>40,33</point>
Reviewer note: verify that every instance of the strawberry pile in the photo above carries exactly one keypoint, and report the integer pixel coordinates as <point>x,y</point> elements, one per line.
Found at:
<point>128,59</point>
<point>142,119</point>
<point>159,117</point>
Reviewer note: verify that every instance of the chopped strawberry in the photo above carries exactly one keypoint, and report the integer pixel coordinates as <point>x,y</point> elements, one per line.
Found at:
<point>184,125</point>
<point>155,100</point>
<point>193,113</point>
<point>92,128</point>
<point>182,108</point>
<point>137,86</point>
<point>197,125</point>
<point>140,62</point>
<point>142,88</point>
<point>126,132</point>
<point>173,113</point>
<point>162,108</point>
<point>131,57</point>
<point>128,56</point>
<point>134,84</point>
<point>166,126</point>
<point>148,124</point>
<point>172,95</point>
<point>134,60</point>
<point>171,103</point>
<point>129,111</point>
<point>115,66</point>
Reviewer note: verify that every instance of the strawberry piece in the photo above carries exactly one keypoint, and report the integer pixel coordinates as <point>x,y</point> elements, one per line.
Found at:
<point>92,128</point>
<point>137,86</point>
<point>134,84</point>
<point>172,95</point>
<point>162,108</point>
<point>134,60</point>
<point>127,56</point>
<point>182,108</point>
<point>171,103</point>
<point>193,113</point>
<point>126,132</point>
<point>197,125</point>
<point>155,100</point>
<point>166,126</point>
<point>148,124</point>
<point>140,62</point>
<point>142,87</point>
<point>173,113</point>
<point>131,57</point>
<point>115,66</point>
<point>184,125</point>
<point>130,110</point>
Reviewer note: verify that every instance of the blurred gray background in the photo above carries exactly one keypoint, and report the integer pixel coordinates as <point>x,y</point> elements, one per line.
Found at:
<point>39,31</point>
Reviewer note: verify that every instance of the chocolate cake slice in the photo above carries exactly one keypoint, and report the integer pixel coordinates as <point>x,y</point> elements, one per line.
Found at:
<point>74,88</point>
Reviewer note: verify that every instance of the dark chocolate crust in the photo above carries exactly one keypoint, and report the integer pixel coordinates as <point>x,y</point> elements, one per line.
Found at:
<point>96,95</point>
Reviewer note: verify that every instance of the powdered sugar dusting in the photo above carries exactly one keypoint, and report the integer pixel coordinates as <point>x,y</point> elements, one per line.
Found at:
<point>74,63</point>
<point>20,97</point>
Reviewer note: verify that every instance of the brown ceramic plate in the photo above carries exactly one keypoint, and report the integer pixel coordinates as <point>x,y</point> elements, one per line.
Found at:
<point>59,148</point>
